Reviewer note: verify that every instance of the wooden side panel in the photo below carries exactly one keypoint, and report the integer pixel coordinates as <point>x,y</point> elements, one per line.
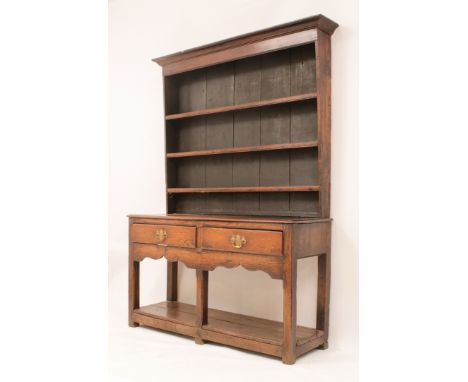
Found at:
<point>323,52</point>
<point>311,239</point>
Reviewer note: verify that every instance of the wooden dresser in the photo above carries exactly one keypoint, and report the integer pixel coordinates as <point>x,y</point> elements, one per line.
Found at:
<point>247,131</point>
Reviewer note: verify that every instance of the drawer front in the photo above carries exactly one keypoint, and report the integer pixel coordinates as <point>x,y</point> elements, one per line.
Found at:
<point>243,240</point>
<point>167,235</point>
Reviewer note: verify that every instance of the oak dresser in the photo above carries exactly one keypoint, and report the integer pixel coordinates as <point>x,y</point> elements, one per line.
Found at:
<point>247,130</point>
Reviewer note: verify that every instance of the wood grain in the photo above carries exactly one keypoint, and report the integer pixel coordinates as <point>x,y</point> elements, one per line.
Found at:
<point>242,106</point>
<point>239,52</point>
<point>247,149</point>
<point>209,260</point>
<point>324,119</point>
<point>247,132</point>
<point>289,300</point>
<point>257,242</point>
<point>243,189</point>
<point>201,307</point>
<point>176,235</point>
<point>239,330</point>
<point>172,273</point>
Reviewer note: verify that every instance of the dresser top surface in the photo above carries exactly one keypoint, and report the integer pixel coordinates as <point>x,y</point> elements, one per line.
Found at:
<point>231,218</point>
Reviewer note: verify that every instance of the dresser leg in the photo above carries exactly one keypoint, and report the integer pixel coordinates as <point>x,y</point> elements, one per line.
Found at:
<point>289,304</point>
<point>171,294</point>
<point>323,295</point>
<point>133,290</point>
<point>324,346</point>
<point>202,302</point>
<point>198,340</point>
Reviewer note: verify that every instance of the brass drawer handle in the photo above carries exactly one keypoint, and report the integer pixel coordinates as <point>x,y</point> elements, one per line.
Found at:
<point>238,241</point>
<point>161,235</point>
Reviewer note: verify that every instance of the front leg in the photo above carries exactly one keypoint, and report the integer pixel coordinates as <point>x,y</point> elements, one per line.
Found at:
<point>289,302</point>
<point>202,302</point>
<point>133,289</point>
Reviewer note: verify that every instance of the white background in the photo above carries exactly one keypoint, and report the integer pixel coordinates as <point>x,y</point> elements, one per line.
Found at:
<point>151,29</point>
<point>53,157</point>
<point>139,32</point>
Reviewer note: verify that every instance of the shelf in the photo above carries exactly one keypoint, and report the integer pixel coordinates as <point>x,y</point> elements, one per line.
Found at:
<point>247,149</point>
<point>242,189</point>
<point>242,106</point>
<point>181,318</point>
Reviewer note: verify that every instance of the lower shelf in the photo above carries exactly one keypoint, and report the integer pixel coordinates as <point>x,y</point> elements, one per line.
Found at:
<point>233,329</point>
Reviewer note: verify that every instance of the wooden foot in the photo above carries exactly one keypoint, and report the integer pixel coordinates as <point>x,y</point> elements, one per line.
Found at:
<point>199,341</point>
<point>289,359</point>
<point>133,324</point>
<point>324,346</point>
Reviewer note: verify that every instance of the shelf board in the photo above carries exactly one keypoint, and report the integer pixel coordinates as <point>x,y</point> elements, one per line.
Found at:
<point>242,189</point>
<point>242,106</point>
<point>182,318</point>
<point>246,149</point>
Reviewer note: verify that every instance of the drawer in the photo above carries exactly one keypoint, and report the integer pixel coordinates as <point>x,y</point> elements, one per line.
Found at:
<point>170,235</point>
<point>243,240</point>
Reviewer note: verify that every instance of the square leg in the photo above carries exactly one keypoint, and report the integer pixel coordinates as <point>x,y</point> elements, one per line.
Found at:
<point>323,295</point>
<point>202,302</point>
<point>171,290</point>
<point>289,304</point>
<point>133,289</point>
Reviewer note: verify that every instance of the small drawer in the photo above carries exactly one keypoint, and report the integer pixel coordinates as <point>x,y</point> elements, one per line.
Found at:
<point>167,235</point>
<point>243,240</point>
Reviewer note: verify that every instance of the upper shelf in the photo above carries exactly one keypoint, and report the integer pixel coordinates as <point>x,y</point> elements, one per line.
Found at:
<point>242,106</point>
<point>246,149</point>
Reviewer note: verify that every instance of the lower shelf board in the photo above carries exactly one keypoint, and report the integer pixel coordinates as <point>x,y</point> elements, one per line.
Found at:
<point>233,329</point>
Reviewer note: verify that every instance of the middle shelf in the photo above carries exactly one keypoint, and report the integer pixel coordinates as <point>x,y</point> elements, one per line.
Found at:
<point>243,106</point>
<point>243,189</point>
